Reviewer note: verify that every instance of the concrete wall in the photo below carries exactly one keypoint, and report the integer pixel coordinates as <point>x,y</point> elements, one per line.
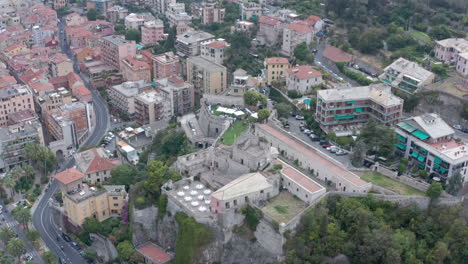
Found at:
<point>223,100</point>
<point>422,186</point>
<point>211,125</point>
<point>104,247</point>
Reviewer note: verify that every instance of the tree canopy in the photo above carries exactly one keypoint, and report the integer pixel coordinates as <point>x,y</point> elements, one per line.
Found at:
<point>283,109</point>
<point>379,139</point>
<point>253,98</point>
<point>435,190</point>
<point>92,14</point>
<point>133,34</point>
<point>303,54</point>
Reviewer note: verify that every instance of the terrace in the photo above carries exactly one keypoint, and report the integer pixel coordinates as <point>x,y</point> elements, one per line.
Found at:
<point>284,207</point>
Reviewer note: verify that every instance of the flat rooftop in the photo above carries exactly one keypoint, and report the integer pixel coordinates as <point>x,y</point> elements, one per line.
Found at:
<point>410,68</point>
<point>194,36</point>
<point>206,64</point>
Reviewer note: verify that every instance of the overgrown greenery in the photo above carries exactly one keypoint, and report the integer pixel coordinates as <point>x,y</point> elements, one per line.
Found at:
<point>361,79</point>
<point>252,216</point>
<point>252,98</point>
<point>190,238</point>
<point>303,54</point>
<point>369,231</point>
<point>379,139</point>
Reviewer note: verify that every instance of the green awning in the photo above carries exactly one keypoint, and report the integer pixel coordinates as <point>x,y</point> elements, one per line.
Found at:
<point>407,127</point>
<point>421,166</point>
<point>437,160</point>
<point>421,158</point>
<point>421,135</point>
<point>442,170</point>
<point>401,146</point>
<point>415,154</point>
<point>359,109</point>
<point>387,81</point>
<point>423,151</point>
<point>350,102</point>
<point>344,117</point>
<point>401,138</point>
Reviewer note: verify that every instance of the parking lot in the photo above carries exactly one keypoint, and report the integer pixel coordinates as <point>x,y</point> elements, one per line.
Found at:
<point>294,129</point>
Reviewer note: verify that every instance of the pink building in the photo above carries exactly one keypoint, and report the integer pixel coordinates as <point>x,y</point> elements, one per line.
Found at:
<point>135,70</point>
<point>115,48</point>
<point>15,99</point>
<point>446,50</point>
<point>212,13</point>
<point>295,34</point>
<point>165,65</point>
<point>462,64</point>
<point>152,32</point>
<point>269,30</point>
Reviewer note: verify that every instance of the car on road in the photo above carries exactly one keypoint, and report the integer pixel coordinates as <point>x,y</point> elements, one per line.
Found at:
<point>333,149</point>
<point>325,146</point>
<point>465,130</point>
<point>341,152</point>
<point>314,137</point>
<point>299,117</point>
<point>324,142</point>
<point>62,260</point>
<point>307,131</point>
<point>66,237</point>
<point>458,127</point>
<point>26,257</point>
<point>75,246</point>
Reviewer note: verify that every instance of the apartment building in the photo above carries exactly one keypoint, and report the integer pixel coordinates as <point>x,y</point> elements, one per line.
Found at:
<point>81,200</point>
<point>60,65</point>
<point>244,26</point>
<point>14,138</point>
<point>165,65</point>
<point>406,75</point>
<point>447,50</point>
<point>189,43</point>
<point>152,32</point>
<point>302,79</point>
<point>135,70</point>
<point>116,13</point>
<point>295,34</point>
<point>429,143</point>
<point>213,50</point>
<point>181,94</point>
<point>211,13</point>
<point>115,48</point>
<point>242,82</point>
<point>345,111</point>
<point>152,106</point>
<point>176,15</point>
<point>122,96</point>
<point>15,99</point>
<point>39,34</point>
<point>160,6</point>
<point>135,21</point>
<point>276,69</point>
<point>101,6</point>
<point>207,77</point>
<point>95,165</point>
<point>462,64</point>
<point>251,10</point>
<point>270,30</point>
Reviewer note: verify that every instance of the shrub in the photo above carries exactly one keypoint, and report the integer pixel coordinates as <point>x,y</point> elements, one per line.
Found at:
<point>140,202</point>
<point>252,216</point>
<point>294,94</point>
<point>162,206</point>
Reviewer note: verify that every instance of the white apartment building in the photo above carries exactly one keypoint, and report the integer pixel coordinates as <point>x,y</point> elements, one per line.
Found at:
<point>135,21</point>
<point>293,35</point>
<point>213,50</point>
<point>303,79</point>
<point>189,43</point>
<point>122,96</point>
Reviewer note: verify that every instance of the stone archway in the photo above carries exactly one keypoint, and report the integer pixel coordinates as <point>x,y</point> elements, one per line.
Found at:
<point>59,155</point>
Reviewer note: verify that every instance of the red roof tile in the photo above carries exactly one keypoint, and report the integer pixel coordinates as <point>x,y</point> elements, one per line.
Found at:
<point>42,87</point>
<point>69,176</point>
<point>81,91</point>
<point>311,20</point>
<point>277,60</point>
<point>336,55</point>
<point>154,253</point>
<point>299,27</point>
<point>300,179</point>
<point>304,72</point>
<point>216,45</point>
<point>273,21</point>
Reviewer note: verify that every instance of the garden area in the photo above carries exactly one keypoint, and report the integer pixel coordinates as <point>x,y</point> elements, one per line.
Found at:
<point>234,131</point>
<point>386,182</point>
<point>284,207</point>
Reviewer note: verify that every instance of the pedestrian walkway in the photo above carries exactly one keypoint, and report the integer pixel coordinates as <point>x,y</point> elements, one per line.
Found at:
<point>9,224</point>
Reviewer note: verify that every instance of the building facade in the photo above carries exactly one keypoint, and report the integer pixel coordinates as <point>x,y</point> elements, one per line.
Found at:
<point>152,106</point>
<point>303,79</point>
<point>15,99</point>
<point>152,32</point>
<point>206,76</point>
<point>116,14</point>
<point>270,30</point>
<point>276,69</point>
<point>189,43</point>
<point>95,165</point>
<point>293,35</point>
<point>213,50</point>
<point>122,96</point>
<point>115,48</point>
<point>165,65</point>
<point>181,94</point>
<point>135,70</point>
<point>447,50</point>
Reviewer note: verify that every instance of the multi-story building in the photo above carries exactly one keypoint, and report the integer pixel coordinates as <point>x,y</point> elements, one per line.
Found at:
<point>135,21</point>
<point>406,75</point>
<point>462,64</point>
<point>40,34</point>
<point>270,30</point>
<point>430,145</point>
<point>135,70</point>
<point>207,77</point>
<point>15,99</point>
<point>60,65</point>
<point>276,69</point>
<point>81,201</point>
<point>242,82</point>
<point>115,48</point>
<point>14,138</point>
<point>211,13</point>
<point>57,4</point>
<point>165,65</point>
<point>189,43</point>
<point>345,111</point>
<point>447,50</point>
<point>251,10</point>
<point>122,96</point>
<point>245,26</point>
<point>101,6</point>
<point>152,106</point>
<point>303,79</point>
<point>116,13</point>
<point>160,6</point>
<point>152,32</point>
<point>295,34</point>
<point>176,15</point>
<point>95,165</point>
<point>213,50</point>
<point>181,94</point>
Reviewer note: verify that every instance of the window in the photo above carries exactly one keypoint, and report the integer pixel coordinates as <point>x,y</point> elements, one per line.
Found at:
<point>116,204</point>
<point>261,191</point>
<point>235,202</point>
<point>115,198</point>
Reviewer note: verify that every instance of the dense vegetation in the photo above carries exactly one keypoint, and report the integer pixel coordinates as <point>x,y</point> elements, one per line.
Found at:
<point>369,231</point>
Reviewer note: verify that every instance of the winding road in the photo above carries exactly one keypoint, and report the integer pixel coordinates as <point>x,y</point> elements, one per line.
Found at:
<point>42,217</point>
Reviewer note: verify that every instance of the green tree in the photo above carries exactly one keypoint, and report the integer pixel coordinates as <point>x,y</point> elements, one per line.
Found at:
<point>439,32</point>
<point>353,37</point>
<point>22,215</point>
<point>378,138</point>
<point>16,247</point>
<point>434,191</point>
<point>263,115</point>
<point>294,94</point>
<point>439,69</point>
<point>119,29</point>
<point>91,225</point>
<point>133,34</point>
<point>123,175</point>
<point>359,153</point>
<point>92,14</point>
<point>6,259</point>
<point>455,183</point>
<point>90,254</point>
<point>6,234</point>
<point>33,235</point>
<point>233,11</point>
<point>125,249</point>
<point>371,41</point>
<point>253,98</point>
<point>156,172</point>
<point>41,157</point>
<point>283,109</point>
<point>303,54</point>
<point>49,257</point>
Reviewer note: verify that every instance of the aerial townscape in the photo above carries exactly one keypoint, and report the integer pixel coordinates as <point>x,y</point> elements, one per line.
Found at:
<point>234,131</point>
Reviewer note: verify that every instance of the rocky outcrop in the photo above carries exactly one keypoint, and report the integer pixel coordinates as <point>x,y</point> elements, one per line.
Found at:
<point>239,250</point>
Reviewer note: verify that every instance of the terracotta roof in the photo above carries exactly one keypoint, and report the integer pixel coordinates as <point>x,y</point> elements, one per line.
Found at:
<point>8,79</point>
<point>311,20</point>
<point>73,78</point>
<point>175,80</point>
<point>58,79</point>
<point>41,87</point>
<point>300,179</point>
<point>81,91</point>
<point>154,253</point>
<point>273,21</point>
<point>69,176</point>
<point>299,27</point>
<point>93,160</point>
<point>304,72</point>
<point>336,55</point>
<point>277,60</point>
<point>216,44</point>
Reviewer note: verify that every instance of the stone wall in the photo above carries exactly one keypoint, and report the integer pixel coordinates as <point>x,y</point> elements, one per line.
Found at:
<point>419,185</point>
<point>224,100</point>
<point>211,125</point>
<point>104,247</point>
<point>269,238</point>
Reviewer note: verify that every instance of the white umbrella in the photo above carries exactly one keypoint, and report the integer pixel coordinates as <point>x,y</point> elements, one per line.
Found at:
<point>195,203</point>
<point>188,198</point>
<point>193,193</point>
<point>202,208</point>
<point>180,193</point>
<point>207,191</point>
<point>186,187</point>
<point>201,197</point>
<point>199,186</point>
<point>207,201</point>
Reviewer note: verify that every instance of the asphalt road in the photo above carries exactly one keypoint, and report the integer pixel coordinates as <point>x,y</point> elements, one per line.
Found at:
<point>42,217</point>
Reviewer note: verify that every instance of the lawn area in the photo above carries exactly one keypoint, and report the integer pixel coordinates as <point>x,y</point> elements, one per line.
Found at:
<point>390,184</point>
<point>234,131</point>
<point>421,36</point>
<point>284,207</point>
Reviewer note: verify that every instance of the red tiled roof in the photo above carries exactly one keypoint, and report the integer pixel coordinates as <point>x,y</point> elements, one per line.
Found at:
<point>300,179</point>
<point>73,78</point>
<point>304,72</point>
<point>99,163</point>
<point>8,79</point>
<point>336,55</point>
<point>273,21</point>
<point>216,45</point>
<point>299,27</point>
<point>311,20</point>
<point>57,80</point>
<point>81,91</point>
<point>277,60</point>
<point>69,176</point>
<point>41,87</point>
<point>154,253</point>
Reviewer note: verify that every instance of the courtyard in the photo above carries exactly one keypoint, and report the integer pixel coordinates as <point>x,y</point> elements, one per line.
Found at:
<point>234,131</point>
<point>284,207</point>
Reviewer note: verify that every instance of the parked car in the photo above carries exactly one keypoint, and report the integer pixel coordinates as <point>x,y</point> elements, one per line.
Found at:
<point>62,260</point>
<point>301,128</point>
<point>314,137</point>
<point>324,142</point>
<point>75,246</point>
<point>325,146</point>
<point>341,152</point>
<point>458,127</point>
<point>465,130</point>
<point>26,257</point>
<point>333,149</point>
<point>66,237</point>
<point>299,117</point>
<point>307,131</point>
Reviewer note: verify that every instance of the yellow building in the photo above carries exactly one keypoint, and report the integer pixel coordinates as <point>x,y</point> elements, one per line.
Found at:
<point>206,76</point>
<point>81,201</point>
<point>276,69</point>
